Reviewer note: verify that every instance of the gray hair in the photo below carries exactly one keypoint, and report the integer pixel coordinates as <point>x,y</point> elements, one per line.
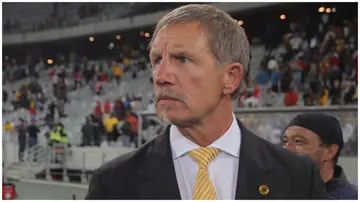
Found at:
<point>227,39</point>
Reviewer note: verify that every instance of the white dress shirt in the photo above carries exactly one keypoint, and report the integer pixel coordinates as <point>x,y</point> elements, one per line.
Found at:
<point>223,169</point>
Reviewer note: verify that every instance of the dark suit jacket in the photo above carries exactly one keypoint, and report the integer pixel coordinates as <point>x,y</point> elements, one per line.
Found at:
<point>148,173</point>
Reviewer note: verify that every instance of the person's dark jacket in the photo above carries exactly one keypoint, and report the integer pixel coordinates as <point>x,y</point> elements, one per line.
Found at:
<point>35,87</point>
<point>88,131</point>
<point>61,90</point>
<point>340,188</point>
<point>51,108</point>
<point>5,96</point>
<point>149,173</point>
<point>33,131</point>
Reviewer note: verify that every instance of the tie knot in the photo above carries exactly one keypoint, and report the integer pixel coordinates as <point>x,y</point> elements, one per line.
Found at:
<point>203,156</point>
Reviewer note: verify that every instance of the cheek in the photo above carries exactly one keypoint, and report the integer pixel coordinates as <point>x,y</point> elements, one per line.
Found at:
<point>310,152</point>
<point>204,85</point>
<point>303,150</point>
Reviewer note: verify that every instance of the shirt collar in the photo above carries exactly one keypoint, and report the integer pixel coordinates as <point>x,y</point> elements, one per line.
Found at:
<point>229,142</point>
<point>335,185</point>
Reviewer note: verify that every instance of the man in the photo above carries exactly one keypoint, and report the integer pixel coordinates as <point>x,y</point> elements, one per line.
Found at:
<point>320,137</point>
<point>88,133</point>
<point>61,97</point>
<point>110,128</point>
<point>22,130</point>
<point>33,131</point>
<point>198,54</point>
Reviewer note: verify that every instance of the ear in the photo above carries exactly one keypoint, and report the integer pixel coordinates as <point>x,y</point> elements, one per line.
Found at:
<point>331,152</point>
<point>232,76</point>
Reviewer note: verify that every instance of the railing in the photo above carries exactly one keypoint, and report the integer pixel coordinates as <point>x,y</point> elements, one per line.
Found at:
<point>260,121</point>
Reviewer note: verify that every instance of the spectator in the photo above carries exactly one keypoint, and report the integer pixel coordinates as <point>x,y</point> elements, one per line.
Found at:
<point>90,134</point>
<point>269,98</point>
<point>334,64</point>
<point>22,129</point>
<point>33,131</point>
<point>112,133</point>
<point>98,112</point>
<point>32,108</point>
<point>313,78</point>
<point>61,95</point>
<point>356,95</point>
<point>308,97</point>
<point>262,78</point>
<point>107,106</point>
<point>8,126</point>
<point>117,72</point>
<point>58,134</point>
<point>320,137</point>
<point>355,67</point>
<point>134,128</point>
<point>88,73</point>
<point>76,76</point>
<point>109,72</point>
<point>335,93</point>
<point>5,96</point>
<point>291,98</point>
<point>119,109</point>
<point>324,96</point>
<point>275,76</point>
<point>349,92</point>
<point>98,87</point>
<point>286,78</point>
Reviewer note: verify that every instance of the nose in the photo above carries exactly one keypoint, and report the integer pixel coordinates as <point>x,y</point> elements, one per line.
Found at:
<point>163,74</point>
<point>290,147</point>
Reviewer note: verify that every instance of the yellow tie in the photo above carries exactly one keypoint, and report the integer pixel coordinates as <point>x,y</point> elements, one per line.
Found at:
<point>203,188</point>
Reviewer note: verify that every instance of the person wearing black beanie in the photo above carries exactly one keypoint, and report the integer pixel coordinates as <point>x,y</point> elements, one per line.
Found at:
<point>319,136</point>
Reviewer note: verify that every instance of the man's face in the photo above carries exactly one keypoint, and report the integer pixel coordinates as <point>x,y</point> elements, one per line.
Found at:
<point>188,82</point>
<point>303,141</point>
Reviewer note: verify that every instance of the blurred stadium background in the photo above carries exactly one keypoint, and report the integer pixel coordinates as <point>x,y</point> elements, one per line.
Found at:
<point>61,62</point>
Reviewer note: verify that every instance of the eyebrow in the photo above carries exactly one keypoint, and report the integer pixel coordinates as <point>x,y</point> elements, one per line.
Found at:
<point>294,136</point>
<point>182,52</point>
<point>175,53</point>
<point>153,53</point>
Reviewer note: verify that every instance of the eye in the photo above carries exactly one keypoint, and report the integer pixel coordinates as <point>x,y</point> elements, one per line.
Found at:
<point>182,59</point>
<point>298,141</point>
<point>157,60</point>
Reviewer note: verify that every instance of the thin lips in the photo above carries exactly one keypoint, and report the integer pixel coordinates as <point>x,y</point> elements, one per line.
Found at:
<point>166,98</point>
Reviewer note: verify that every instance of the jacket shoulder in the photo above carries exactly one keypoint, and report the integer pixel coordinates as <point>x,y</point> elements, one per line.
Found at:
<point>349,192</point>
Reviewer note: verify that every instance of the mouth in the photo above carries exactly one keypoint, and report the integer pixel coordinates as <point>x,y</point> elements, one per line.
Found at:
<point>165,99</point>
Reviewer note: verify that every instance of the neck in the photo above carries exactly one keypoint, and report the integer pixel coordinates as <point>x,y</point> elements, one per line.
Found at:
<point>211,127</point>
<point>327,172</point>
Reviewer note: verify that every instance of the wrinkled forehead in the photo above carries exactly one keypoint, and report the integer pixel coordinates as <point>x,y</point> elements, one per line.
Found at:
<point>297,131</point>
<point>180,36</point>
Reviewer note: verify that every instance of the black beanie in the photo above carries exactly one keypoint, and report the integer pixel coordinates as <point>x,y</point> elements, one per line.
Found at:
<point>325,126</point>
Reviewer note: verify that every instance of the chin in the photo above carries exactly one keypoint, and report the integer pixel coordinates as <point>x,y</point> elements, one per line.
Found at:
<point>178,118</point>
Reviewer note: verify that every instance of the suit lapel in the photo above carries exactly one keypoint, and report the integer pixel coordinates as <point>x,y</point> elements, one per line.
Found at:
<point>156,176</point>
<point>256,171</point>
